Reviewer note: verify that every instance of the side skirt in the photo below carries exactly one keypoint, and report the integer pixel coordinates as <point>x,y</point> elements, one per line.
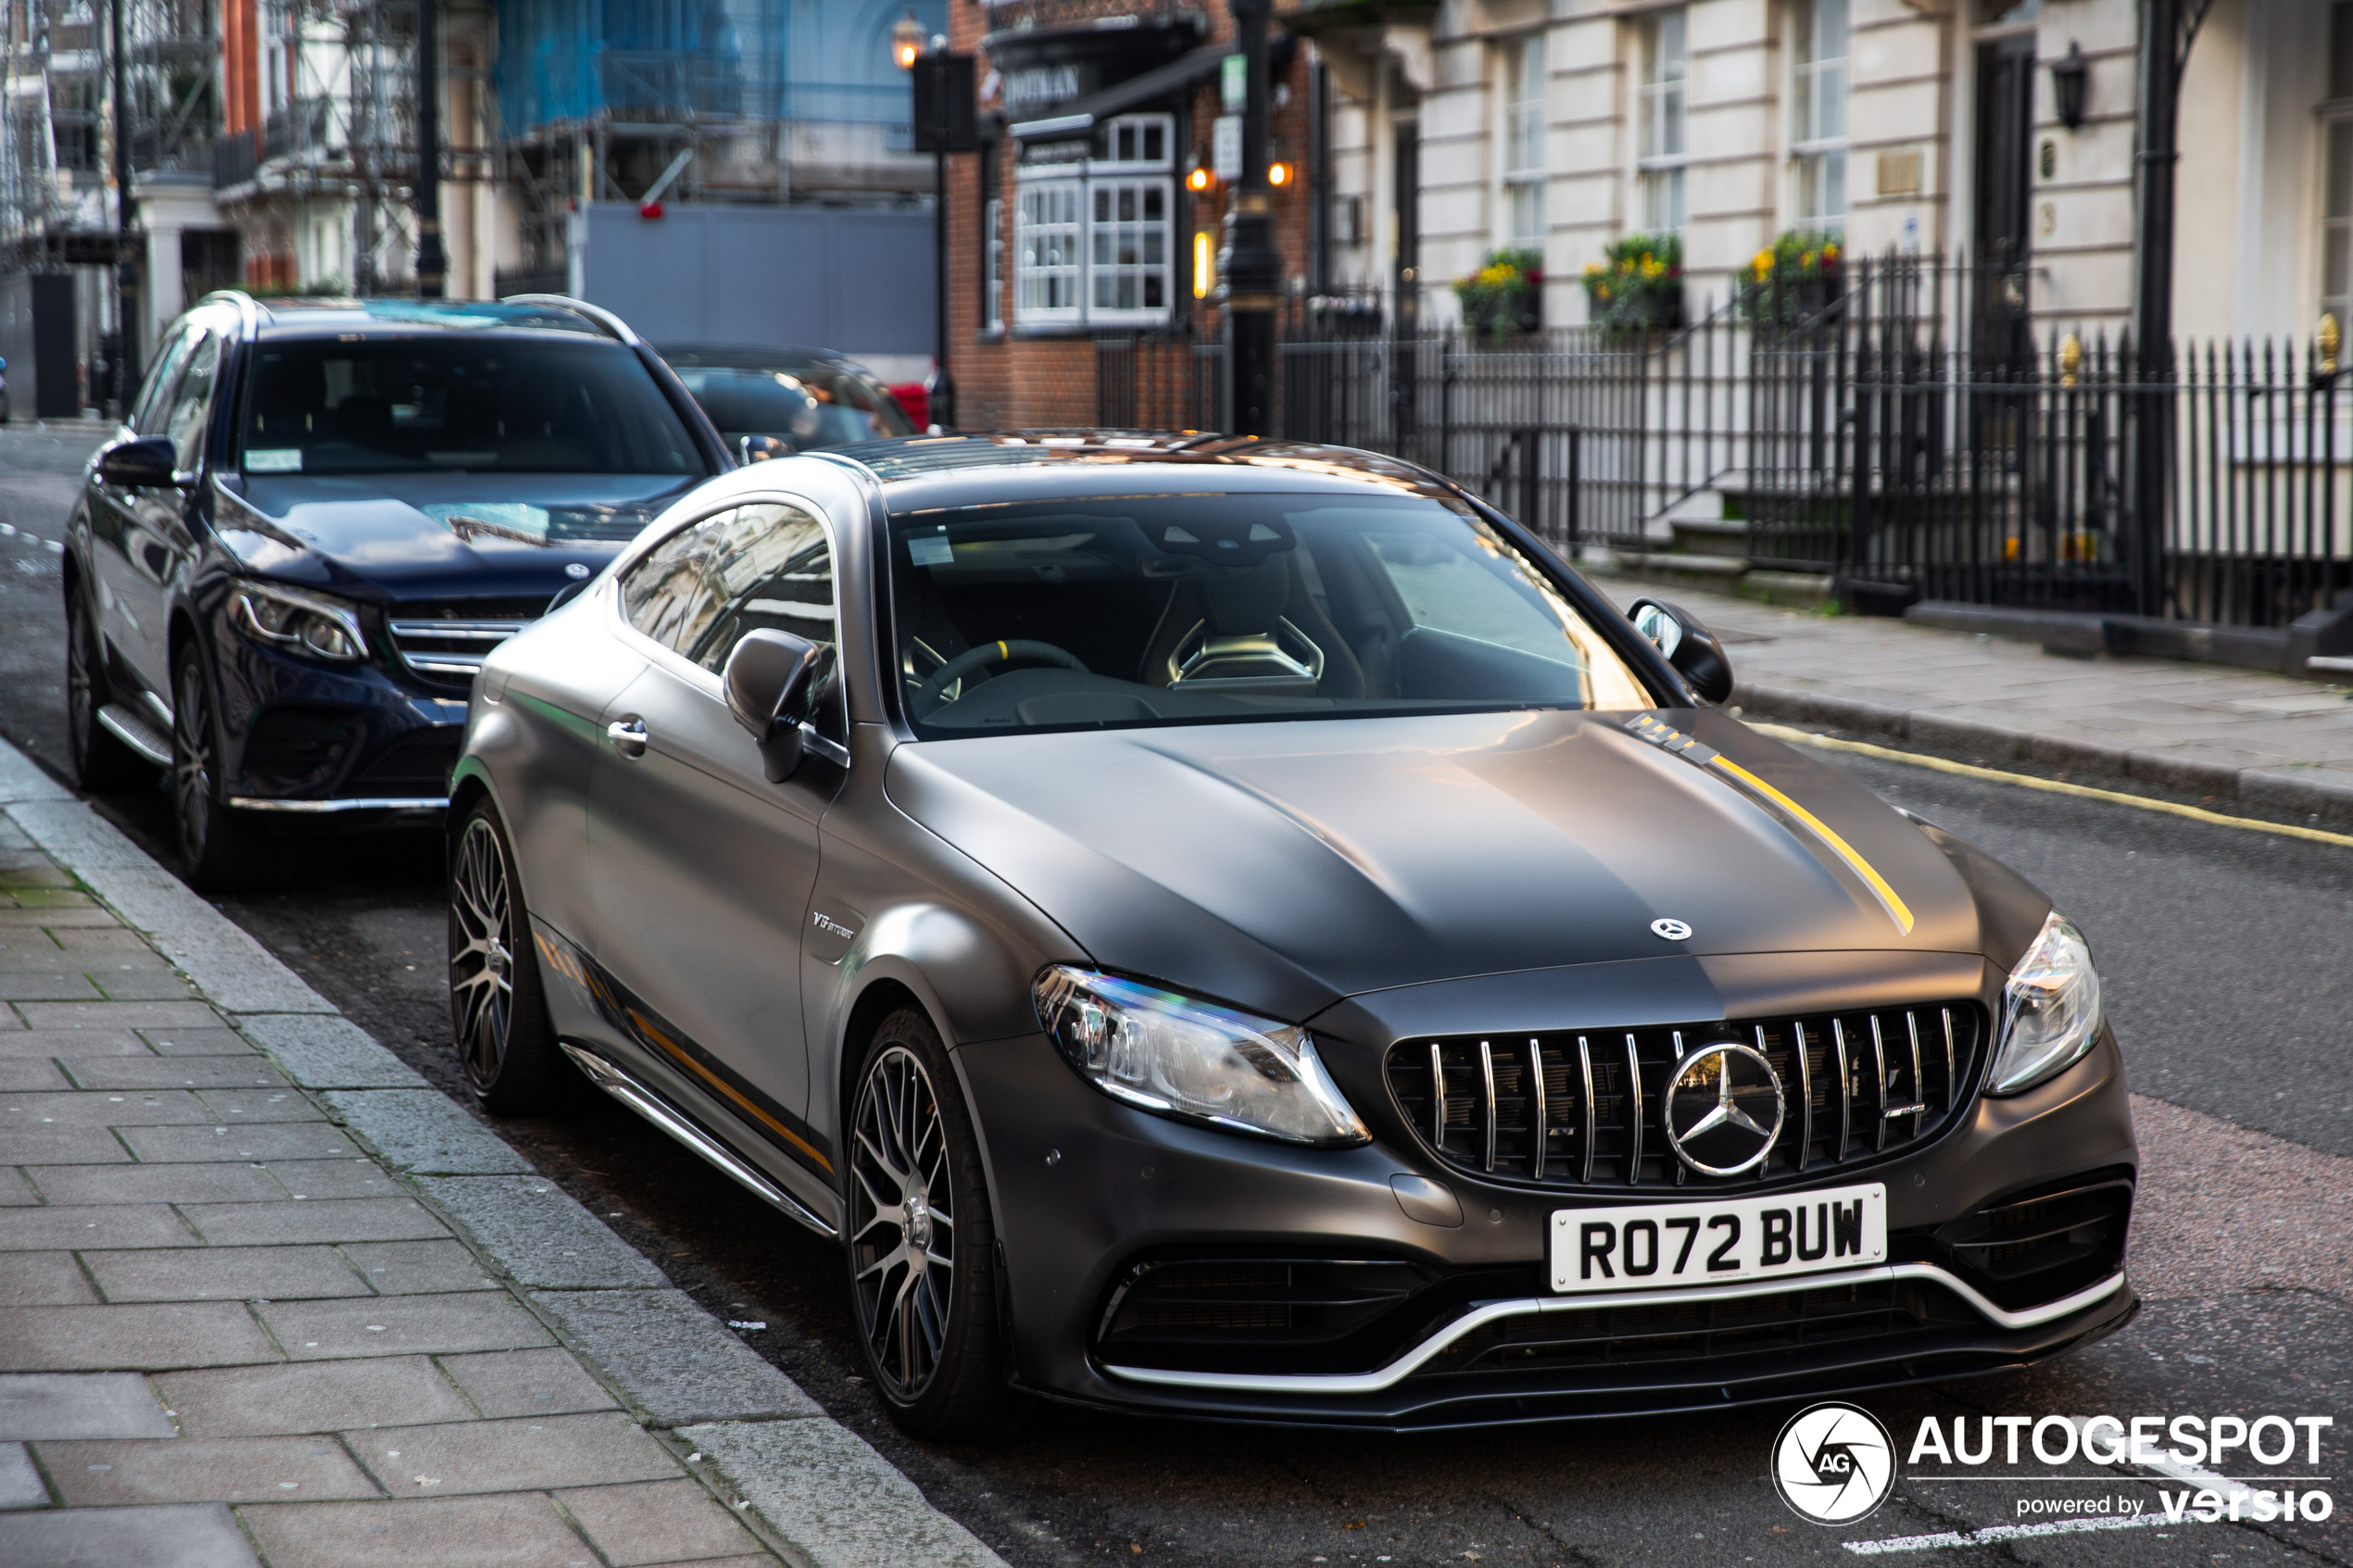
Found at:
<point>675,1122</point>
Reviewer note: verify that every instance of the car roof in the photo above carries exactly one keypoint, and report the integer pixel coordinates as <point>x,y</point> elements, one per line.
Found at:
<point>736,357</point>
<point>921,473</point>
<point>306,316</point>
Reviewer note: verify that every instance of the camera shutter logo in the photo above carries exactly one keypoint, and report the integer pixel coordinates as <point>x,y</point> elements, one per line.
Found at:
<point>1833,1464</point>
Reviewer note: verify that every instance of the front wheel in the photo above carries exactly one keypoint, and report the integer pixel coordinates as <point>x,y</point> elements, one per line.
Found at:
<point>219,851</point>
<point>922,1248</point>
<point>497,1015</point>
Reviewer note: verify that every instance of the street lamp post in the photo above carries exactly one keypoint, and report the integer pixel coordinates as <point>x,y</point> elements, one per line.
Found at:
<point>942,93</point>
<point>126,266</point>
<point>432,264</point>
<point>1253,266</point>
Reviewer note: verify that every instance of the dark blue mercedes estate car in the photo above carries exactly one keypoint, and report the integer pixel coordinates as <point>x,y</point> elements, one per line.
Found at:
<point>318,519</point>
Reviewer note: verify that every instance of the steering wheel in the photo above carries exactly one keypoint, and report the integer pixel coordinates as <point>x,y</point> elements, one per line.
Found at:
<point>964,663</point>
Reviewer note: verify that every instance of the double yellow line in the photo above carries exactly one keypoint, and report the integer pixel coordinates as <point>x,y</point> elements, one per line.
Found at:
<point>2052,787</point>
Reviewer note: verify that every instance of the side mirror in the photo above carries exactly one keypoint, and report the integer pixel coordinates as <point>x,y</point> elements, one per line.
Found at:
<point>1690,648</point>
<point>772,679</point>
<point>141,464</point>
<point>759,449</point>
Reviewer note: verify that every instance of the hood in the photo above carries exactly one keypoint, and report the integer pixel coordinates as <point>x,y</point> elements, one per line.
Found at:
<point>390,537</point>
<point>1285,865</point>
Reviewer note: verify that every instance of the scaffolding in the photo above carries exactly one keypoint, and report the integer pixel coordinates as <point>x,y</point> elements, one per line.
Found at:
<point>697,100</point>
<point>58,131</point>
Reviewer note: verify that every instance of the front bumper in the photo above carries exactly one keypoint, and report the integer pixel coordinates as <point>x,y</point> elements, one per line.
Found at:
<point>1088,1191</point>
<point>325,746</point>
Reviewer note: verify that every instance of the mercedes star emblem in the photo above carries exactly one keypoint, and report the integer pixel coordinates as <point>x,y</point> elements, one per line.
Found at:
<point>1723,1110</point>
<point>1673,930</point>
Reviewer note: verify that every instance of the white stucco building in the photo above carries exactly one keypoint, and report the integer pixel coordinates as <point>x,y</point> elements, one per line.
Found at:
<point>1462,126</point>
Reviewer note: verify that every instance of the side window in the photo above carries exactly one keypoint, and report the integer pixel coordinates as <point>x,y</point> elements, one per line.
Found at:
<point>155,400</point>
<point>774,570</point>
<point>766,565</point>
<point>190,402</point>
<point>661,593</point>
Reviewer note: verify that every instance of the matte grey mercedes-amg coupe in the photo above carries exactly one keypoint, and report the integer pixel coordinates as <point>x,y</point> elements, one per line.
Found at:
<point>1240,929</point>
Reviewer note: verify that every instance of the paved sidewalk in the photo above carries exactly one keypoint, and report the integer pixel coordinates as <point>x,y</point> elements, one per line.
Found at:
<point>2208,730</point>
<point>266,1299</point>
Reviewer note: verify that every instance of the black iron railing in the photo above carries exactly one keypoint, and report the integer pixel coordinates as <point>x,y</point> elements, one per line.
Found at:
<point>1907,428</point>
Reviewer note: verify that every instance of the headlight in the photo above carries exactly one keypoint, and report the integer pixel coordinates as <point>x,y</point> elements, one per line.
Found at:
<point>2050,1009</point>
<point>1191,1058</point>
<point>299,622</point>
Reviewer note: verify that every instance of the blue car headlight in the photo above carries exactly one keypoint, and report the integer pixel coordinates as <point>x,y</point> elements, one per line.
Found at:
<point>1191,1058</point>
<point>296,620</point>
<point>2050,1009</point>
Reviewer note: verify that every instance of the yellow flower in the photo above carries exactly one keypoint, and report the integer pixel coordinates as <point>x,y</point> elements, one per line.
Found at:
<point>1498,274</point>
<point>1763,264</point>
<point>1593,269</point>
<point>1830,253</point>
<point>1653,269</point>
<point>1601,292</point>
<point>1805,260</point>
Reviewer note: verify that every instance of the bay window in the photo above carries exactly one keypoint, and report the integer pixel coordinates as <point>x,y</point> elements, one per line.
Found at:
<point>1092,236</point>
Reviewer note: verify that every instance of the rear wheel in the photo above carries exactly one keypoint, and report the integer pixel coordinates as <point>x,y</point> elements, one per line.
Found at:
<point>922,1248</point>
<point>101,762</point>
<point>219,851</point>
<point>497,1013</point>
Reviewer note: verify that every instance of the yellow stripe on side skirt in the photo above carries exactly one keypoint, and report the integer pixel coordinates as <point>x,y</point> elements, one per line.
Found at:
<point>1896,909</point>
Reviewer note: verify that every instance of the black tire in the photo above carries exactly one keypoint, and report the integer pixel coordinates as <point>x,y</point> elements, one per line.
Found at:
<point>497,1012</point>
<point>101,763</point>
<point>219,851</point>
<point>932,1350</point>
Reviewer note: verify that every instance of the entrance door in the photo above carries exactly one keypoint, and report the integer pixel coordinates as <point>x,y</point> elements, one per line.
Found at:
<point>1405,278</point>
<point>2005,192</point>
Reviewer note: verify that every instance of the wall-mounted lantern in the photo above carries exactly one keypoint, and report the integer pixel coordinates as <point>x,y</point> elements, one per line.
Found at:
<point>2071,83</point>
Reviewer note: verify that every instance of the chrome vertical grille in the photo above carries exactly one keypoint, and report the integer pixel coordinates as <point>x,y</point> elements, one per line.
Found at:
<point>1569,1108</point>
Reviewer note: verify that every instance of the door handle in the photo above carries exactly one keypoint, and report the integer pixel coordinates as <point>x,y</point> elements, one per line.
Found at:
<point>628,736</point>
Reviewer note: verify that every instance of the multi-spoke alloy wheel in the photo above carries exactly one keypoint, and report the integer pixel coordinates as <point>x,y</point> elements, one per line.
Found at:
<point>902,1222</point>
<point>921,1245</point>
<point>482,958</point>
<point>497,1017</point>
<point>218,849</point>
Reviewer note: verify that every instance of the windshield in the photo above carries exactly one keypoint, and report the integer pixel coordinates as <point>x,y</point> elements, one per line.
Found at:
<point>478,405</point>
<point>1141,610</point>
<point>805,409</point>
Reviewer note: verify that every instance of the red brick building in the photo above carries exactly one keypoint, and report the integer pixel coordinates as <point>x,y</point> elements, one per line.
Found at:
<point>1092,218</point>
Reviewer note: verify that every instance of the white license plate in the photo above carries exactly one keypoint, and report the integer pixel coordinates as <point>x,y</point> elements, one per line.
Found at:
<point>1725,1241</point>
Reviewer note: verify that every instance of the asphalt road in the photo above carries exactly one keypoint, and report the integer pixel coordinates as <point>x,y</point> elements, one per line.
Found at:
<point>2224,952</point>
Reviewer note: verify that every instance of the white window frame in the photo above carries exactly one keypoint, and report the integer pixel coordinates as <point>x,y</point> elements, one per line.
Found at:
<point>2335,127</point>
<point>1096,253</point>
<point>993,264</point>
<point>1050,247</point>
<point>1820,98</point>
<point>1525,79</point>
<point>1664,104</point>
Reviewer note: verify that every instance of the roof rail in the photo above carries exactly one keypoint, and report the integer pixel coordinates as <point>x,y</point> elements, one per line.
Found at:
<point>612,324</point>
